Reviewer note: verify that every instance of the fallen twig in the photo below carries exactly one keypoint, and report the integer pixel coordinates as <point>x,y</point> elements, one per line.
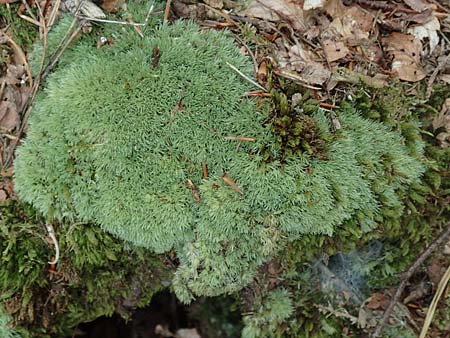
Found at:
<point>406,276</point>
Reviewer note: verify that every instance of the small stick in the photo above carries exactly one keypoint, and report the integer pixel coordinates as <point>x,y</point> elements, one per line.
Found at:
<point>246,77</point>
<point>167,10</point>
<point>51,233</point>
<point>240,138</point>
<point>394,300</point>
<point>204,170</point>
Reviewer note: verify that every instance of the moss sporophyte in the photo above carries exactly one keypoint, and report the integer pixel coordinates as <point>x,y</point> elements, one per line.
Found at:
<point>122,136</point>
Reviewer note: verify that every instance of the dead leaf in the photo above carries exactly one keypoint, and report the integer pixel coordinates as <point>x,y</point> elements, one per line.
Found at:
<point>435,272</point>
<point>7,172</point>
<point>427,31</point>
<point>353,26</point>
<point>417,5</point>
<point>334,50</point>
<point>112,6</point>
<point>3,195</point>
<point>312,4</point>
<point>445,78</point>
<point>405,50</point>
<point>187,333</point>
<point>290,11</point>
<point>89,9</point>
<point>334,8</point>
<point>377,301</point>
<point>218,4</point>
<point>298,64</point>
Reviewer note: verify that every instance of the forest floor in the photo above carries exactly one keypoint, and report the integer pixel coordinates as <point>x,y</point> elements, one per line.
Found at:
<point>331,49</point>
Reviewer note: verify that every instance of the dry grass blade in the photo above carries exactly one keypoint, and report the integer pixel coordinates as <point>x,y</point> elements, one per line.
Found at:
<point>432,309</point>
<point>246,77</point>
<point>240,138</point>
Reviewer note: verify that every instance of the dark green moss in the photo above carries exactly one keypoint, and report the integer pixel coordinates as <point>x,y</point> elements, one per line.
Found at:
<point>97,275</point>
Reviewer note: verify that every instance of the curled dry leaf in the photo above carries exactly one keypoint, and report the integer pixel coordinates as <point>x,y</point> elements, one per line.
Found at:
<point>89,9</point>
<point>312,4</point>
<point>3,195</point>
<point>353,26</point>
<point>9,108</point>
<point>417,5</point>
<point>405,51</point>
<point>427,31</point>
<point>377,301</point>
<point>214,3</point>
<point>112,6</point>
<point>299,65</point>
<point>334,50</point>
<point>290,11</point>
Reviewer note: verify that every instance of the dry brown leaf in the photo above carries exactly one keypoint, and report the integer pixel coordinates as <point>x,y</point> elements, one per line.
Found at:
<point>377,301</point>
<point>14,74</point>
<point>405,50</point>
<point>445,78</point>
<point>290,11</point>
<point>313,4</point>
<point>298,64</point>
<point>112,6</point>
<point>435,272</point>
<point>334,50</point>
<point>417,5</point>
<point>8,108</point>
<point>353,26</point>
<point>3,195</point>
<point>214,3</point>
<point>334,8</point>
<point>427,31</point>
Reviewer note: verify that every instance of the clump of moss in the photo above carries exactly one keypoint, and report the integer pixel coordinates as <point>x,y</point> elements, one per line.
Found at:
<point>23,32</point>
<point>403,230</point>
<point>96,275</point>
<point>120,136</point>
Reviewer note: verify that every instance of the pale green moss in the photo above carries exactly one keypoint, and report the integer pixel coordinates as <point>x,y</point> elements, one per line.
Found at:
<point>119,136</point>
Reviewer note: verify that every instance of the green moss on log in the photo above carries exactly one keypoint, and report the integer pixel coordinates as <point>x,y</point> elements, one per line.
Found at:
<point>119,136</point>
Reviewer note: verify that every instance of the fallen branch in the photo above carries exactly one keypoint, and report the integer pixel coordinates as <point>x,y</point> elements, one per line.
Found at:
<point>406,276</point>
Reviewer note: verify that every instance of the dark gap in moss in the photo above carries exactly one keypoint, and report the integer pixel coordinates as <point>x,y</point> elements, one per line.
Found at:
<point>212,317</point>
